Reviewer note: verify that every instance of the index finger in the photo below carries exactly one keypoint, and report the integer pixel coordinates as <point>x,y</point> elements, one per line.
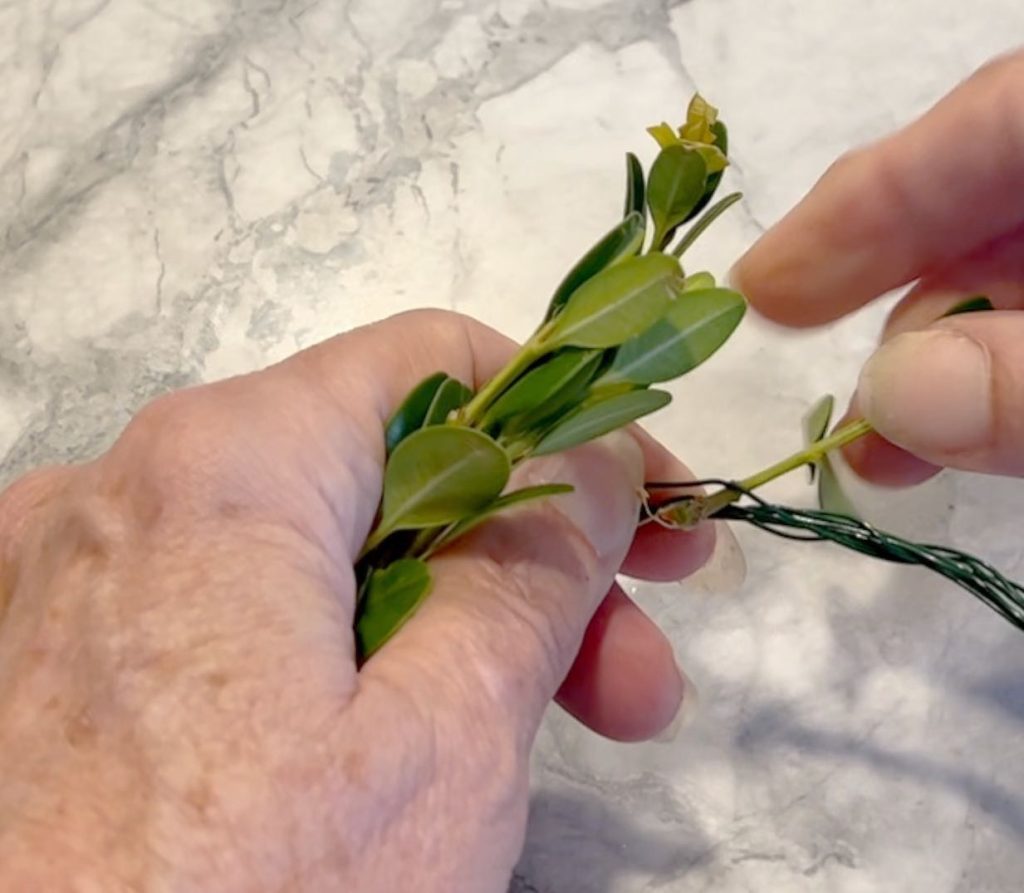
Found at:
<point>885,215</point>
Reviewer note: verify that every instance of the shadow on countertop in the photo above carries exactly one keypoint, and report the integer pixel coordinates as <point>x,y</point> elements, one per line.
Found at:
<point>579,841</point>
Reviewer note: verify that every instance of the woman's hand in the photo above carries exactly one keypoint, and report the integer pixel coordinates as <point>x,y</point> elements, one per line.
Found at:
<point>180,706</point>
<point>941,202</point>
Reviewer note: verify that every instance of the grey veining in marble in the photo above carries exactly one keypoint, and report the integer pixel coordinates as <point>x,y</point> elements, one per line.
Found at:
<point>189,190</point>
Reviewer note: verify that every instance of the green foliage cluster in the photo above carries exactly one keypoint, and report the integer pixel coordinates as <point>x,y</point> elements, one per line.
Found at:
<point>625,317</point>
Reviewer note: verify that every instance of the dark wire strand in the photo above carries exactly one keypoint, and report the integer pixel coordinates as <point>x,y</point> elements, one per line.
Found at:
<point>1001,594</point>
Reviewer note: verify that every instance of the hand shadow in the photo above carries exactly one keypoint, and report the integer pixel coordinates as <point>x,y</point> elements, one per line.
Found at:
<point>921,623</point>
<point>580,840</point>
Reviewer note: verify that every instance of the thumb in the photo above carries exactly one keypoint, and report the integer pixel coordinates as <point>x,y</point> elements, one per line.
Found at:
<point>952,394</point>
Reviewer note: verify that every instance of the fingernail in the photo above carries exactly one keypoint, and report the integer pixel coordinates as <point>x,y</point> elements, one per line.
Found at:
<point>606,476</point>
<point>684,717</point>
<point>725,570</point>
<point>929,392</point>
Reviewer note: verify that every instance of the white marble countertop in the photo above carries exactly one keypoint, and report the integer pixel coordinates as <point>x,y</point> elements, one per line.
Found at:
<point>193,190</point>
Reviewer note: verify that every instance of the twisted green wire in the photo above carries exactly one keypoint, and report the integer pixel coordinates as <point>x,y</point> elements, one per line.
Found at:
<point>988,585</point>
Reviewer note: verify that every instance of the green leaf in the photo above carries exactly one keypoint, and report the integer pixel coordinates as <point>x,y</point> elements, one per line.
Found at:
<point>831,497</point>
<point>977,304</point>
<point>817,420</point>
<point>677,183</point>
<point>436,476</point>
<point>516,497</point>
<point>815,426</point>
<point>695,327</point>
<point>709,217</point>
<point>618,303</point>
<point>390,597</point>
<point>715,179</point>
<point>590,421</point>
<point>452,394</point>
<point>721,137</point>
<point>634,186</point>
<point>699,282</point>
<point>547,386</point>
<point>623,241</point>
<point>410,415</point>
<point>664,135</point>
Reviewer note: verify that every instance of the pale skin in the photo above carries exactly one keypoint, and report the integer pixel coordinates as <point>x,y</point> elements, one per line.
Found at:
<point>180,707</point>
<point>937,205</point>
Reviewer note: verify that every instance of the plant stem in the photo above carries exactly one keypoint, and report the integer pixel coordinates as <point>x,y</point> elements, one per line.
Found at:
<point>657,241</point>
<point>813,453</point>
<point>528,354</point>
<point>691,512</point>
<point>706,219</point>
<point>376,537</point>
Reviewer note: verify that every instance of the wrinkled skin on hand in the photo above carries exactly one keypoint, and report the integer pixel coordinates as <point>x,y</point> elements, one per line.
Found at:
<point>180,707</point>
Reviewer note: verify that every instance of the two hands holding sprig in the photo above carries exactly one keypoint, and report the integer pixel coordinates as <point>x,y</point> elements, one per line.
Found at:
<point>180,703</point>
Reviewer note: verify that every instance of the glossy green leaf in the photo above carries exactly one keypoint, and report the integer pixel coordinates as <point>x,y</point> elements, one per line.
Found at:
<point>452,395</point>
<point>618,303</point>
<point>590,421</point>
<point>721,137</point>
<point>700,117</point>
<point>831,496</point>
<point>694,328</point>
<point>715,179</point>
<point>664,135</point>
<point>390,597</point>
<point>439,474</point>
<point>635,190</point>
<point>545,388</point>
<point>410,415</point>
<point>699,282</point>
<point>516,497</point>
<point>977,304</point>
<point>676,184</point>
<point>698,133</point>
<point>705,221</point>
<point>622,241</point>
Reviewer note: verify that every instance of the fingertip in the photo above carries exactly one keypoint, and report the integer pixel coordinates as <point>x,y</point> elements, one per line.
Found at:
<point>625,683</point>
<point>930,392</point>
<point>663,555</point>
<point>803,271</point>
<point>879,461</point>
<point>757,276</point>
<point>876,460</point>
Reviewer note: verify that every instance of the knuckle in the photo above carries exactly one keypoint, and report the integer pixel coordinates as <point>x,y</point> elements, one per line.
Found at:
<point>1008,105</point>
<point>180,449</point>
<point>845,165</point>
<point>1008,66</point>
<point>999,85</point>
<point>173,429</point>
<point>851,180</point>
<point>25,498</point>
<point>433,317</point>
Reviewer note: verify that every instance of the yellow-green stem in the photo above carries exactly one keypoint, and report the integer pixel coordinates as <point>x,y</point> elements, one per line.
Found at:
<point>709,505</point>
<point>528,354</point>
<point>813,453</point>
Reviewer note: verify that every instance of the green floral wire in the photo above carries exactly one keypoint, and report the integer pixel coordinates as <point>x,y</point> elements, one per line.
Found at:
<point>1001,594</point>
